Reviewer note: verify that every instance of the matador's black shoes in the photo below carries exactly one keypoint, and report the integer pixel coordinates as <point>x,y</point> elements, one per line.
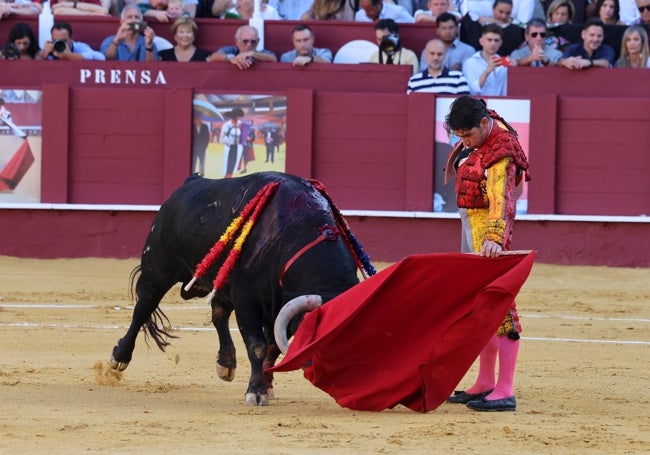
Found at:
<point>462,397</point>
<point>503,404</point>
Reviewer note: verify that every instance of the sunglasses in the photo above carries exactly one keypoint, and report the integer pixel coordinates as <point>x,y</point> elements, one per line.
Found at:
<point>644,8</point>
<point>536,34</point>
<point>249,41</point>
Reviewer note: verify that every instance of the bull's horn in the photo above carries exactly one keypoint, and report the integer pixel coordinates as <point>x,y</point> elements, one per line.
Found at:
<point>300,304</point>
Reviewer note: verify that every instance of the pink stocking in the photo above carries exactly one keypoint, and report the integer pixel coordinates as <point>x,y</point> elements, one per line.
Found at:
<point>486,367</point>
<point>508,350</point>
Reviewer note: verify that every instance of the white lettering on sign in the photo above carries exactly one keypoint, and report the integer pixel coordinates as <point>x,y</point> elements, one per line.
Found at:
<point>121,77</point>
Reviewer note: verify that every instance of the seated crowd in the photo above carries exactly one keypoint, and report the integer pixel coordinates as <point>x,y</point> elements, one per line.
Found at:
<point>475,40</point>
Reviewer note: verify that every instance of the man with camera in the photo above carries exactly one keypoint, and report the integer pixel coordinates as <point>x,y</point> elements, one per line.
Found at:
<point>133,40</point>
<point>390,50</point>
<point>62,47</point>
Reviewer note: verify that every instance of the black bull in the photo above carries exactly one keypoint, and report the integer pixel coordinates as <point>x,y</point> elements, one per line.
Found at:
<point>273,267</point>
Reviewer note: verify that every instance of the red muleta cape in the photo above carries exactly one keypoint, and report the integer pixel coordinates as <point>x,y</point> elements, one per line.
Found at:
<point>408,334</point>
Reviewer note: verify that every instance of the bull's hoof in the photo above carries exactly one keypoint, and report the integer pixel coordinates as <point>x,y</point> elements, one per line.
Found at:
<point>225,373</point>
<point>119,366</point>
<point>253,399</point>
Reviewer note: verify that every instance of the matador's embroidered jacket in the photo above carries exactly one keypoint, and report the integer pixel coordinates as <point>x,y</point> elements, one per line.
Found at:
<point>486,184</point>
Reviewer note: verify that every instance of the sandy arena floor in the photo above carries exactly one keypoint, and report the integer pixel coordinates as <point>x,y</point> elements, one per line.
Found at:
<point>582,383</point>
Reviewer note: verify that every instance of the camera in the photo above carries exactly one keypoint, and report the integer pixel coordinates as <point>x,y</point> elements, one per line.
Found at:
<point>10,51</point>
<point>137,27</point>
<point>59,45</point>
<point>390,44</point>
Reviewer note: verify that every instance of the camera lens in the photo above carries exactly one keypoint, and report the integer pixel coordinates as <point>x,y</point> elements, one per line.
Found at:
<point>59,46</point>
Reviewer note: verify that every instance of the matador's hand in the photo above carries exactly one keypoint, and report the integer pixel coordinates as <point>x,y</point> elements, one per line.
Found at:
<point>490,249</point>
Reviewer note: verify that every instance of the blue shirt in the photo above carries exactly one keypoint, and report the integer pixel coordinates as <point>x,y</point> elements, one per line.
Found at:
<point>124,53</point>
<point>496,84</point>
<point>289,57</point>
<point>604,52</point>
<point>234,50</point>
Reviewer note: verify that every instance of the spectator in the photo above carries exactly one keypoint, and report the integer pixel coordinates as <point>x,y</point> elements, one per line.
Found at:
<point>246,8</point>
<point>373,10</point>
<point>19,8</point>
<point>219,9</point>
<point>62,47</point>
<point>329,10</point>
<point>457,51</point>
<point>521,11</point>
<point>291,10</point>
<point>5,114</point>
<point>434,9</point>
<point>184,29</point>
<point>390,50</point>
<point>163,10</point>
<point>160,7</point>
<point>634,48</point>
<point>644,10</point>
<point>304,51</point>
<point>133,40</point>
<point>592,51</point>
<point>437,78</point>
<point>536,53</point>
<point>24,40</point>
<point>609,12</point>
<point>80,8</point>
<point>560,12</point>
<point>501,14</point>
<point>243,54</point>
<point>485,71</point>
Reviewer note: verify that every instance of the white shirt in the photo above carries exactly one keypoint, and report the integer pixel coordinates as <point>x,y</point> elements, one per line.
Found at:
<point>496,84</point>
<point>388,11</point>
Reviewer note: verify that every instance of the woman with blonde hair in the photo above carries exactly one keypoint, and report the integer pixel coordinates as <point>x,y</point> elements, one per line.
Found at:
<point>184,29</point>
<point>560,12</point>
<point>635,52</point>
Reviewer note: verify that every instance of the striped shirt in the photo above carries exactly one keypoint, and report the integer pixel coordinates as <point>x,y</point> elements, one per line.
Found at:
<point>447,83</point>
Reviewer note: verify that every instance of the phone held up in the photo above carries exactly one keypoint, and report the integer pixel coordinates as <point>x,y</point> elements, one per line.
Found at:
<point>138,27</point>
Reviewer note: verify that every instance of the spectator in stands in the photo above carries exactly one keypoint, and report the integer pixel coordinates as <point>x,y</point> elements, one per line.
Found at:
<point>634,48</point>
<point>374,10</point>
<point>19,8</point>
<point>62,47</point>
<point>536,53</point>
<point>304,51</point>
<point>609,12</point>
<point>184,29</point>
<point>644,10</point>
<point>160,8</point>
<point>592,51</point>
<point>457,51</point>
<point>329,10</point>
<point>23,38</point>
<point>560,12</point>
<point>243,54</point>
<point>5,114</point>
<point>521,11</point>
<point>133,40</point>
<point>501,14</point>
<point>390,50</point>
<point>219,9</point>
<point>437,78</point>
<point>486,71</point>
<point>80,8</point>
<point>434,9</point>
<point>291,10</point>
<point>246,8</point>
<point>163,10</point>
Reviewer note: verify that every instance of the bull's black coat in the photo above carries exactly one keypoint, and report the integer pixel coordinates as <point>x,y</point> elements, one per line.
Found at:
<point>193,219</point>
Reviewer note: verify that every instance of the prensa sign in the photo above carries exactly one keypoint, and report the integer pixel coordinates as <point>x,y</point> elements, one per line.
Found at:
<point>140,77</point>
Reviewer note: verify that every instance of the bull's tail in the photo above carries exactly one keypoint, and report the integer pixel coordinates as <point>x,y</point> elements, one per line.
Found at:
<point>158,326</point>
